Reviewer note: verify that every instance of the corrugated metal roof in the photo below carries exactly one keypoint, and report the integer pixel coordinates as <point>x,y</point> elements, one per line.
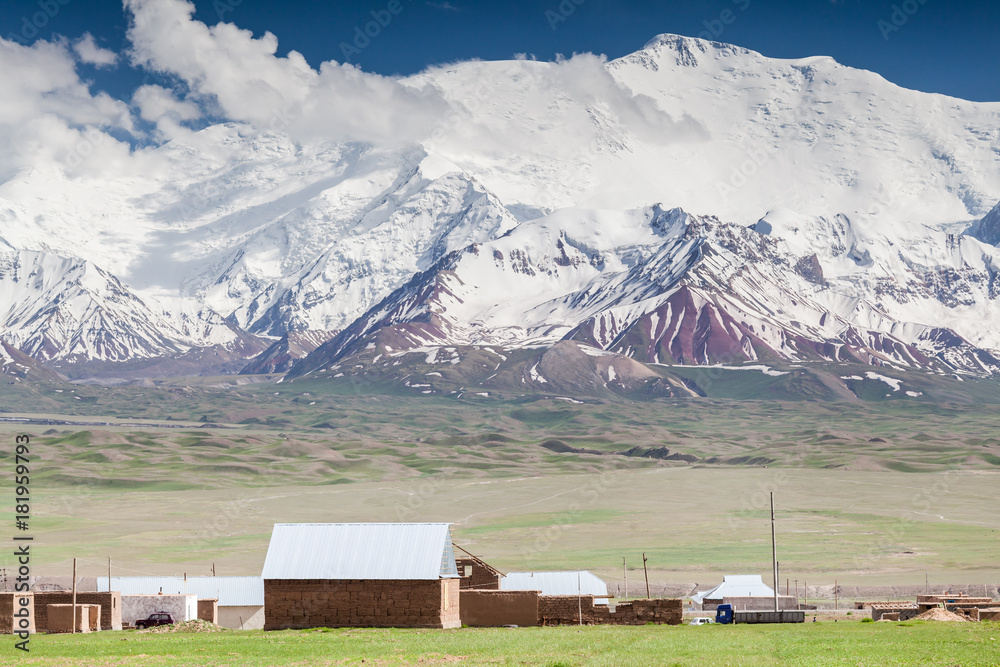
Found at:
<point>556,583</point>
<point>230,591</point>
<point>736,585</point>
<point>360,551</point>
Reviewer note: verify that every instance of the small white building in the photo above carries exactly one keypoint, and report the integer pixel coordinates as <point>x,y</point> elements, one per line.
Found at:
<point>241,599</point>
<point>558,583</point>
<point>138,607</point>
<point>744,592</point>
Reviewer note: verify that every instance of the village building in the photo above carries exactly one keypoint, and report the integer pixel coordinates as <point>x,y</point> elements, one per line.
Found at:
<point>745,592</point>
<point>361,574</point>
<point>558,583</point>
<point>240,599</point>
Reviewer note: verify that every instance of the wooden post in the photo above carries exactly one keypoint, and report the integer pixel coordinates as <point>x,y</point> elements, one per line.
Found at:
<point>74,597</point>
<point>625,572</point>
<point>646,573</point>
<point>786,585</point>
<point>213,569</point>
<point>774,554</point>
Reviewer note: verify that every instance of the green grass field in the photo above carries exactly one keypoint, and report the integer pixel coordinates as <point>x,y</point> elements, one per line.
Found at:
<point>808,645</point>
<point>174,478</point>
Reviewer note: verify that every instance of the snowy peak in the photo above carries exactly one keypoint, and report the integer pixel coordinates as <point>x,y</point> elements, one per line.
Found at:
<point>70,309</point>
<point>684,51</point>
<point>987,230</point>
<point>662,287</point>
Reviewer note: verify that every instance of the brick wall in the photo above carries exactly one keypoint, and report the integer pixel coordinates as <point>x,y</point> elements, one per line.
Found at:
<point>310,603</point>
<point>492,609</point>
<point>111,606</point>
<point>481,576</point>
<point>208,610</point>
<point>564,609</point>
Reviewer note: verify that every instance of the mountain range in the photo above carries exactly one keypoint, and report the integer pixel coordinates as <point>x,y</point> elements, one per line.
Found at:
<point>698,204</point>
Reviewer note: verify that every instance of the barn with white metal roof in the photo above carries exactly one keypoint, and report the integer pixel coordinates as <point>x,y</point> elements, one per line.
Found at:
<point>361,574</point>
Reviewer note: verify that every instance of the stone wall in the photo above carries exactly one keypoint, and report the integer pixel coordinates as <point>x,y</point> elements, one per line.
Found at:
<point>111,606</point>
<point>310,603</point>
<point>493,609</point>
<point>564,609</point>
<point>10,604</point>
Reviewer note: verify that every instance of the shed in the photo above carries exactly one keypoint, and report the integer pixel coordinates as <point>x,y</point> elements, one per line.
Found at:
<point>557,583</point>
<point>241,599</point>
<point>744,592</point>
<point>361,574</point>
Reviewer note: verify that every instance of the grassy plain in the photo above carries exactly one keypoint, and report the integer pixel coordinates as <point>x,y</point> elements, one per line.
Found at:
<point>809,645</point>
<point>173,478</point>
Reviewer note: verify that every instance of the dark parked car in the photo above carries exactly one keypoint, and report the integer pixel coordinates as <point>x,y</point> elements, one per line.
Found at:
<point>159,618</point>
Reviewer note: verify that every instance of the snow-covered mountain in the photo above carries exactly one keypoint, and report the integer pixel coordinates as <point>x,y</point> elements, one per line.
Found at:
<point>665,287</point>
<point>807,211</point>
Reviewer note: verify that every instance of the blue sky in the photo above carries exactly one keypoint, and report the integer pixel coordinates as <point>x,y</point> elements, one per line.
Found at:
<point>929,45</point>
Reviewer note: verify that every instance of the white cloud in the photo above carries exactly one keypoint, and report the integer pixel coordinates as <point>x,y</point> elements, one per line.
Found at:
<point>89,52</point>
<point>48,114</point>
<point>244,80</point>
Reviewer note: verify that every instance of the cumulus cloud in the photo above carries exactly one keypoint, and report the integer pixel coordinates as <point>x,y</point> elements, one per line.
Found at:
<point>89,52</point>
<point>48,114</point>
<point>243,79</point>
<point>521,110</point>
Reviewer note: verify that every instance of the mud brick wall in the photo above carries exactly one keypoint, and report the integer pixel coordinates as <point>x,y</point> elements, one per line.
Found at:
<point>564,609</point>
<point>480,577</point>
<point>10,604</point>
<point>208,610</point>
<point>311,603</point>
<point>60,617</point>
<point>493,609</point>
<point>971,613</point>
<point>111,606</point>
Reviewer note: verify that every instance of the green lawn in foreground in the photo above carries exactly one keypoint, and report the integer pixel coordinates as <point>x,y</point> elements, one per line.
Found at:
<point>808,645</point>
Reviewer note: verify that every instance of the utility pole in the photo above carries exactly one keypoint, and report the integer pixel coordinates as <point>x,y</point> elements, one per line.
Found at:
<point>625,572</point>
<point>645,572</point>
<point>74,598</point>
<point>774,554</point>
<point>213,569</point>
